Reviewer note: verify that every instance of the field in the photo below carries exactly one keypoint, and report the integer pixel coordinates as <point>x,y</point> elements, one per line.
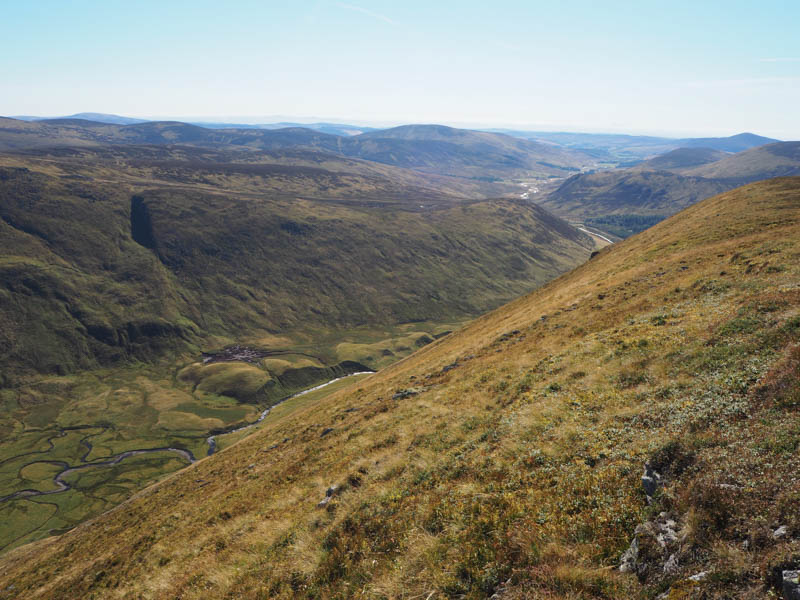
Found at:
<point>91,417</point>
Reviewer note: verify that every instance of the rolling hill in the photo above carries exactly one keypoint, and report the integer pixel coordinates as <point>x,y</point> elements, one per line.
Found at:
<point>104,241</point>
<point>734,143</point>
<point>634,191</point>
<point>507,458</point>
<point>89,116</point>
<point>681,159</point>
<point>461,152</point>
<point>544,153</point>
<point>428,148</point>
<point>771,160</point>
<point>626,201</point>
<point>331,128</point>
<point>634,148</point>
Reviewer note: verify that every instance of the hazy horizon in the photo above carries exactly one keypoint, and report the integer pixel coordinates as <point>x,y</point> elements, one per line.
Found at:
<point>276,119</point>
<point>714,69</point>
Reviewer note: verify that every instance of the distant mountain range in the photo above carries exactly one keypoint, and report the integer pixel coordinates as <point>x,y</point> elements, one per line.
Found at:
<point>428,148</point>
<point>89,116</point>
<point>633,148</point>
<point>487,163</point>
<point>330,128</point>
<point>613,147</point>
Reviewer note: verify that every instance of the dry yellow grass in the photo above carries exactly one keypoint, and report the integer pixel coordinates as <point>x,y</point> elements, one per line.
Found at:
<point>506,456</point>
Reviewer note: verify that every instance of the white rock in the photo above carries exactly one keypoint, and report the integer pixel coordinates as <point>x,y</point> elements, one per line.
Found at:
<point>628,559</point>
<point>671,565</point>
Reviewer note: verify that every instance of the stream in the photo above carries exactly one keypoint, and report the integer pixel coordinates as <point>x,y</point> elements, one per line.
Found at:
<point>212,441</point>
<point>63,486</point>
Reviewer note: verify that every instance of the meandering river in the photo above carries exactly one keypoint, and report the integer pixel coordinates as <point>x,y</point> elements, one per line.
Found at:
<point>63,486</point>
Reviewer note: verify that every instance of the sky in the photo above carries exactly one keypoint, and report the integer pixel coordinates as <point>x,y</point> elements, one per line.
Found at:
<point>684,67</point>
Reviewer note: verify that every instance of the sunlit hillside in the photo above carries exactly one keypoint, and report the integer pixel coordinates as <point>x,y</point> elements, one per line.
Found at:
<point>507,458</point>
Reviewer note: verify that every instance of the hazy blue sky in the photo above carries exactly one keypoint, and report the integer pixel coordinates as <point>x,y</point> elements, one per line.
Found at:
<point>682,67</point>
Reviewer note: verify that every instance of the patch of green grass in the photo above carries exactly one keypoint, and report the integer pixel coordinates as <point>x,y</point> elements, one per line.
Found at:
<point>226,414</point>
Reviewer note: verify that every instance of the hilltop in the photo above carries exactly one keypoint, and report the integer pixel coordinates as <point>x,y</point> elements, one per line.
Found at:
<point>681,159</point>
<point>461,152</point>
<point>734,143</point>
<point>508,457</point>
<point>626,201</point>
<point>634,148</point>
<point>429,148</point>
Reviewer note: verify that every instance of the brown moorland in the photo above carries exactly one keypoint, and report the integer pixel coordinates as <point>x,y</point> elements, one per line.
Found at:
<point>507,457</point>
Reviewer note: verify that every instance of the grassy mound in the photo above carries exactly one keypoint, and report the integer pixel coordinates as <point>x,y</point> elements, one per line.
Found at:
<point>241,381</point>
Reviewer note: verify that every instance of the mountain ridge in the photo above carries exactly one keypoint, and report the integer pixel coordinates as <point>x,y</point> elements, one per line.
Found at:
<point>267,247</point>
<point>495,156</point>
<point>627,200</point>
<point>633,148</point>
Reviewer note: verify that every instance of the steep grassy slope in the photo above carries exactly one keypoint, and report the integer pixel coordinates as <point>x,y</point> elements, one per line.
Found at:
<point>507,457</point>
<point>629,200</point>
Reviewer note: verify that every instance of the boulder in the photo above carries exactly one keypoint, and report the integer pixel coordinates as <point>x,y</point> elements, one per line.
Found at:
<point>629,558</point>
<point>329,494</point>
<point>406,393</point>
<point>791,585</point>
<point>654,549</point>
<point>651,479</point>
